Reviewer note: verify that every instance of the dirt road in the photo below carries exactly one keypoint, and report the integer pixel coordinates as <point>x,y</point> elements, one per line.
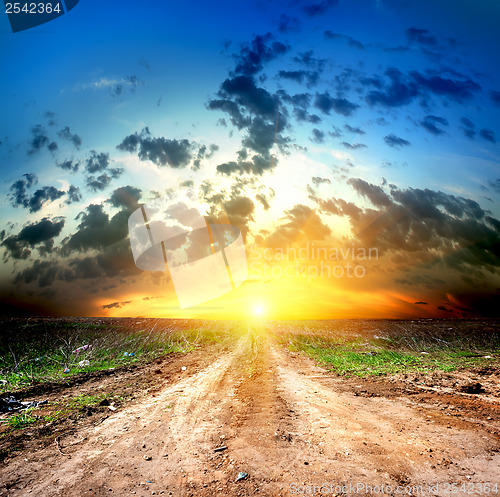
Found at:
<point>285,422</point>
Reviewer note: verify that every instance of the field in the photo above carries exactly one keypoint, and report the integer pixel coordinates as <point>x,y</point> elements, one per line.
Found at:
<point>139,406</point>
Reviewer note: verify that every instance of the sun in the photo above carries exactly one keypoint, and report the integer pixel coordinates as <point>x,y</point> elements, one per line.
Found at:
<point>258,310</point>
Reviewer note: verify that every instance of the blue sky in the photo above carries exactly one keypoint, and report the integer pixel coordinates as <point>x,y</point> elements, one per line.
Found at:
<point>374,122</point>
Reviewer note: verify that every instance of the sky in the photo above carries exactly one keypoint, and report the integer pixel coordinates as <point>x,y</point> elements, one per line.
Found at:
<point>354,143</point>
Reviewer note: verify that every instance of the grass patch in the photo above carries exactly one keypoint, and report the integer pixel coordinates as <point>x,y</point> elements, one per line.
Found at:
<point>21,420</point>
<point>34,351</point>
<point>363,355</point>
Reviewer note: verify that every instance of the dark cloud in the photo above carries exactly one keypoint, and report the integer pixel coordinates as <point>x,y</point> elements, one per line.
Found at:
<point>330,35</point>
<point>400,91</point>
<point>112,261</point>
<point>253,55</point>
<point>239,209</point>
<point>354,129</point>
<point>39,140</point>
<point>97,230</point>
<point>97,162</point>
<point>318,136</point>
<point>288,24</point>
<point>69,165</point>
<point>301,223</point>
<point>300,102</point>
<point>98,183</point>
<point>263,200</point>
<point>50,117</point>
<point>262,136</point>
<point>42,272</point>
<point>73,138</point>
<point>232,109</point>
<point>254,109</point>
<point>468,127</point>
<point>495,185</point>
<point>161,151</point>
<point>375,194</point>
<point>420,303</point>
<point>204,152</point>
<point>395,141</point>
<point>257,166</point>
<point>353,146</point>
<point>312,9</point>
<point>455,89</point>
<point>495,96</point>
<point>421,36</point>
<point>247,95</point>
<point>423,223</point>
<point>52,147</point>
<point>74,195</point>
<point>318,181</point>
<point>125,197</point>
<point>430,123</point>
<point>17,246</point>
<point>116,305</point>
<point>19,196</point>
<point>308,59</point>
<point>488,134</point>
<point>326,103</point>
<point>299,76</point>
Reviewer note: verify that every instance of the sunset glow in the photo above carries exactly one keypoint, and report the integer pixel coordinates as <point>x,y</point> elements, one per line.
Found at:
<point>352,147</point>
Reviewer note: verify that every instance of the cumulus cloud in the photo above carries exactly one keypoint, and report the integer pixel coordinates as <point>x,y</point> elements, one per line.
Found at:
<point>66,134</point>
<point>468,127</point>
<point>116,305</point>
<point>353,146</point>
<point>74,195</point>
<point>44,231</point>
<point>495,96</point>
<point>39,139</point>
<point>69,165</point>
<point>299,76</point>
<point>434,226</point>
<point>300,223</point>
<point>395,141</point>
<point>421,36</point>
<point>20,197</point>
<point>456,89</point>
<point>126,197</point>
<point>318,180</point>
<point>161,151</point>
<point>431,124</point>
<point>326,103</point>
<point>488,135</point>
<point>354,129</point>
<point>402,89</point>
<point>313,9</point>
<point>252,56</point>
<point>318,136</point>
<point>330,35</point>
<point>257,166</point>
<point>97,230</point>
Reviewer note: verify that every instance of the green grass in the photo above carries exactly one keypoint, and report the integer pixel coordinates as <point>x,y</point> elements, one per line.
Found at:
<point>354,355</point>
<point>21,420</point>
<point>39,351</point>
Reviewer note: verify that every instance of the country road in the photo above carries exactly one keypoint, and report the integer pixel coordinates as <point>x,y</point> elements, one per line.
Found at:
<point>283,421</point>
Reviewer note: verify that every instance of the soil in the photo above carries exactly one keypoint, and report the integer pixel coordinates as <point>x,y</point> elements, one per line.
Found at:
<point>190,424</point>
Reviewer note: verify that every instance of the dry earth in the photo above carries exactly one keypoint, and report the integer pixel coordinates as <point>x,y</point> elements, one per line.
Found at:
<point>283,420</point>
